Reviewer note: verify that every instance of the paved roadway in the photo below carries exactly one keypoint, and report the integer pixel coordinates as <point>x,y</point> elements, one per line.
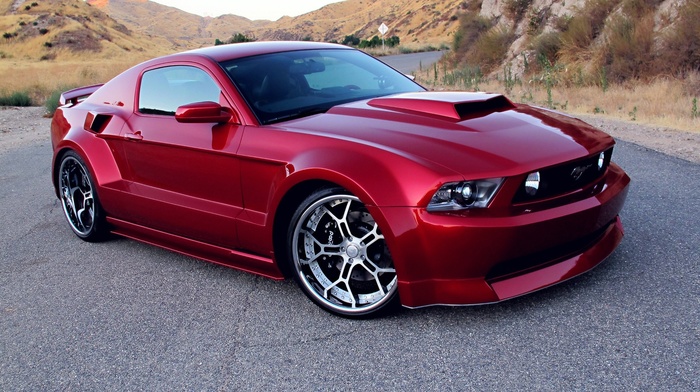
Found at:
<point>121,315</point>
<point>408,63</point>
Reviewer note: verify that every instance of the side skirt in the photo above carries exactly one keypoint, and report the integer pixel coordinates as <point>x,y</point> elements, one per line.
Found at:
<point>227,257</point>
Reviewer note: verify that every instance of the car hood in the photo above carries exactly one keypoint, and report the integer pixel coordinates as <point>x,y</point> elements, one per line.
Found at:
<point>475,134</point>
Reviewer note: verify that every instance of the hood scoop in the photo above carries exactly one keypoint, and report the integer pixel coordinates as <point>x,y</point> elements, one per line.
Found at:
<point>455,106</point>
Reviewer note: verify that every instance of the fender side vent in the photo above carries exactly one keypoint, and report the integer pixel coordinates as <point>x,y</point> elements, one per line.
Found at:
<point>96,122</point>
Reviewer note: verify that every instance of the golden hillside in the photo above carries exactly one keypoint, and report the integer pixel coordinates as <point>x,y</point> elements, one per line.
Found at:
<point>179,28</point>
<point>417,22</point>
<point>68,29</point>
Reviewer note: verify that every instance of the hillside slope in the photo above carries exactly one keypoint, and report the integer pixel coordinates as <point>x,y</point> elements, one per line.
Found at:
<point>414,21</point>
<point>179,28</point>
<point>582,41</point>
<point>67,29</point>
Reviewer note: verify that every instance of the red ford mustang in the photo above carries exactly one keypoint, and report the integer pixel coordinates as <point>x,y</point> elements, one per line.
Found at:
<point>319,162</point>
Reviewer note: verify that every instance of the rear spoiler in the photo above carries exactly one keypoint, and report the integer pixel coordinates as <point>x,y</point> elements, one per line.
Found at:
<point>77,95</point>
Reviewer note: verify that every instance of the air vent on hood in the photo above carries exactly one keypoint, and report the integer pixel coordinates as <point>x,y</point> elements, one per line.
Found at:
<point>449,105</point>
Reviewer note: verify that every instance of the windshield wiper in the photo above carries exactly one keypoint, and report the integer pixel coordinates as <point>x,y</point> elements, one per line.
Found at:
<point>299,114</point>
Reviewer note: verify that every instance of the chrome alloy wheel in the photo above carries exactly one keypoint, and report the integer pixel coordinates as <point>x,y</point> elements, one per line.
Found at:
<point>341,258</point>
<point>76,192</point>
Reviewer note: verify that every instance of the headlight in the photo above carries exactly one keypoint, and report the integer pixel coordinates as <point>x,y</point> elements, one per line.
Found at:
<point>464,195</point>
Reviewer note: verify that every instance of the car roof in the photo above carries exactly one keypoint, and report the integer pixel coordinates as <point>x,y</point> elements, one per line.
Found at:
<point>232,51</point>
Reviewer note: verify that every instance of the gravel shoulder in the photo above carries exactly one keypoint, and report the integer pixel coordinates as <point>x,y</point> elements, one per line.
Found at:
<point>23,126</point>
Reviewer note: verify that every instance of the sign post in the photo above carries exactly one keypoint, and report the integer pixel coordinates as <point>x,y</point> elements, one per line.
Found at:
<point>383,29</point>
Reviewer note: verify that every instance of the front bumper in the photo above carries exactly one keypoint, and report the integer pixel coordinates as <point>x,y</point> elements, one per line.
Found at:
<point>463,260</point>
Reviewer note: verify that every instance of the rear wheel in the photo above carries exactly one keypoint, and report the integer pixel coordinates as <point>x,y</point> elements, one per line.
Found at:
<point>80,203</point>
<point>339,256</point>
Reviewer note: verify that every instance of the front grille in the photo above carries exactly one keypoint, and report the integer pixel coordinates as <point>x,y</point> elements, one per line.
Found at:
<point>565,178</point>
<point>519,266</point>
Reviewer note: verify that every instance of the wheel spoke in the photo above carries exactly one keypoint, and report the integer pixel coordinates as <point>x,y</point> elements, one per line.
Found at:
<point>86,220</point>
<point>326,250</point>
<point>373,233</point>
<point>341,221</point>
<point>345,273</point>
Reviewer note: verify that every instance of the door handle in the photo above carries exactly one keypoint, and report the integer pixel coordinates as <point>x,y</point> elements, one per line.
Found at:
<point>134,136</point>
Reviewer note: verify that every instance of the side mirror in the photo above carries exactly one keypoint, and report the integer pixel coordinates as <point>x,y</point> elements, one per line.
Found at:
<point>203,112</point>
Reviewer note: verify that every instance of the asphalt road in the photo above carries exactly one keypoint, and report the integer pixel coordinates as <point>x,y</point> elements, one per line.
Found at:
<point>408,63</point>
<point>121,315</point>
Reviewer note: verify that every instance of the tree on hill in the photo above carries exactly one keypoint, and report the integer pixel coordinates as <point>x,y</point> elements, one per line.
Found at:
<point>236,38</point>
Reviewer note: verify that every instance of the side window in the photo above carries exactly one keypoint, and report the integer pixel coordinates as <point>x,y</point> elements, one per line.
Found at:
<point>163,90</point>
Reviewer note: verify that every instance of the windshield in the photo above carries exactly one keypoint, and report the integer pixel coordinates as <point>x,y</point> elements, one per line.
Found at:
<point>287,85</point>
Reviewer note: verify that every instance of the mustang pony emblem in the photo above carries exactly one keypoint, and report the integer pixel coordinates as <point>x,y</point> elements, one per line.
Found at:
<point>578,171</point>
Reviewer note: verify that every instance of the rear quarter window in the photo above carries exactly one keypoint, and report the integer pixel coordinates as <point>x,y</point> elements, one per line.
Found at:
<point>163,90</point>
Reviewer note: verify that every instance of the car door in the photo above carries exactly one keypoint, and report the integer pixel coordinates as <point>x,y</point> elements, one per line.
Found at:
<point>184,177</point>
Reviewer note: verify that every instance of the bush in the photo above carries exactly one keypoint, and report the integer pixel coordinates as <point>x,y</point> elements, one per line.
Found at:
<point>515,9</point>
<point>16,99</point>
<point>547,45</point>
<point>639,8</point>
<point>681,51</point>
<point>52,103</point>
<point>491,48</point>
<point>629,48</point>
<point>580,30</point>
<point>471,27</point>
<point>351,40</point>
<point>236,38</point>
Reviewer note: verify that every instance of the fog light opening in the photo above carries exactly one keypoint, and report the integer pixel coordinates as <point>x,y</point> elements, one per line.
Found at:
<point>532,183</point>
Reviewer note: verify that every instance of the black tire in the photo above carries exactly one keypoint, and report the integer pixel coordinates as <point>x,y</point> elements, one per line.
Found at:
<point>81,206</point>
<point>339,257</point>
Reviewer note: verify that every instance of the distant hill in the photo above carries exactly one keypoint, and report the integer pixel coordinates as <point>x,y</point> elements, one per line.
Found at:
<point>416,22</point>
<point>178,27</point>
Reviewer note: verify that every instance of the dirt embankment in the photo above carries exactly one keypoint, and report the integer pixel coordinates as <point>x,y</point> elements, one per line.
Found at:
<point>21,126</point>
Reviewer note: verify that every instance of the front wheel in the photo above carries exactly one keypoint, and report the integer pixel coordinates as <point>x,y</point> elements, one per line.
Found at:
<point>80,203</point>
<point>339,256</point>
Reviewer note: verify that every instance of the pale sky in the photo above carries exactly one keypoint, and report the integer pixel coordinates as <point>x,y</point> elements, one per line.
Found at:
<point>251,9</point>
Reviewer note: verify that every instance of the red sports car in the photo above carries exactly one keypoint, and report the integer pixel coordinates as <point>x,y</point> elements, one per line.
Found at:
<point>318,162</point>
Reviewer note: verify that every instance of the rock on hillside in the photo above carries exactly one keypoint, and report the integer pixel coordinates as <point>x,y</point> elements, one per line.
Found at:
<point>592,39</point>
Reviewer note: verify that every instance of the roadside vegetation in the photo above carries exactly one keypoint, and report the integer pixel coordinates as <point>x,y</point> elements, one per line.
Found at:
<point>620,58</point>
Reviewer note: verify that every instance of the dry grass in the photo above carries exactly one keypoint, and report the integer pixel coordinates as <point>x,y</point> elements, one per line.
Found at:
<point>40,79</point>
<point>661,102</point>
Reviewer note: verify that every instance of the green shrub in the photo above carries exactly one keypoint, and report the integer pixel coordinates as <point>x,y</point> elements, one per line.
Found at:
<point>236,38</point>
<point>351,40</point>
<point>52,103</point>
<point>547,45</point>
<point>18,98</point>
